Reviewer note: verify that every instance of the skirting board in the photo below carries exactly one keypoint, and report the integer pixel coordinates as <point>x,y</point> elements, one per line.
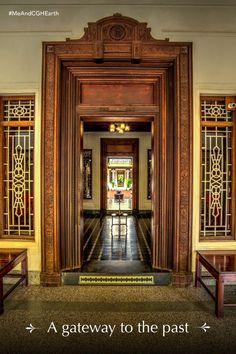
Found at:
<point>33,278</point>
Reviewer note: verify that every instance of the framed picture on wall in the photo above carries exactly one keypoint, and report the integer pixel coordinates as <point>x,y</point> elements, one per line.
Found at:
<point>149,174</point>
<point>87,173</point>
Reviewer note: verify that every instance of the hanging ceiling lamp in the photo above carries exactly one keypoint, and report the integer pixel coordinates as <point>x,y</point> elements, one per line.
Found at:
<point>119,128</point>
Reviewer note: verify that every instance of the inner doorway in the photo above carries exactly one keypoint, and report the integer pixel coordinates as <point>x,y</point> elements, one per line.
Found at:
<point>119,183</point>
<point>120,170</point>
<point>108,245</point>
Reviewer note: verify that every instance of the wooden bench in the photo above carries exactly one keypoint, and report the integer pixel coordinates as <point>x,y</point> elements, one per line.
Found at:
<point>9,259</point>
<point>222,267</point>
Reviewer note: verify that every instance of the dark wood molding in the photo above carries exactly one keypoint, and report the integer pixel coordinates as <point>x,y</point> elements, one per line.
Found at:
<point>234,174</point>
<point>50,279</point>
<point>124,45</point>
<point>182,279</point>
<point>149,174</point>
<point>50,178</point>
<point>1,169</point>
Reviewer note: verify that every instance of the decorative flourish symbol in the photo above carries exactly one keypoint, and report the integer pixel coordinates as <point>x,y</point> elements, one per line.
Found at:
<point>204,327</point>
<point>31,328</point>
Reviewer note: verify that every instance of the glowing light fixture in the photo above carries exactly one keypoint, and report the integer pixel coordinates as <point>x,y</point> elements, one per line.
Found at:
<point>119,128</point>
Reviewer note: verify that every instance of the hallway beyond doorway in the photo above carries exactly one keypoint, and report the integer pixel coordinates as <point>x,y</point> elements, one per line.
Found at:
<point>119,183</point>
<point>130,252</point>
<point>125,203</point>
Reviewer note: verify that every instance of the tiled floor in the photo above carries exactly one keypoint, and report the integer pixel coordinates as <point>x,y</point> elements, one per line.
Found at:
<point>103,242</point>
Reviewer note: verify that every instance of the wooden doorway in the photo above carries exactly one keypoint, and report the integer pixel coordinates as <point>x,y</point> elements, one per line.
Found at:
<point>144,78</point>
<point>119,147</point>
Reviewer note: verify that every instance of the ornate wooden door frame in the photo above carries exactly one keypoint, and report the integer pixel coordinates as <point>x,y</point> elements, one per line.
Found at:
<point>122,40</point>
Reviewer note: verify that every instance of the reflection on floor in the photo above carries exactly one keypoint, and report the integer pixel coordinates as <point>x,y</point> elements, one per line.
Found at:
<point>102,244</point>
<point>125,203</point>
<point>106,249</point>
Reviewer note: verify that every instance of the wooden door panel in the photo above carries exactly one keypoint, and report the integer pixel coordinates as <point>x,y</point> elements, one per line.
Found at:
<point>71,220</point>
<point>119,148</point>
<point>117,93</point>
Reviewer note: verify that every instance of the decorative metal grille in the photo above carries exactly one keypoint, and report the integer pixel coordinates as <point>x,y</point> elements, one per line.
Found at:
<point>18,110</point>
<point>214,110</point>
<point>18,168</point>
<point>216,181</point>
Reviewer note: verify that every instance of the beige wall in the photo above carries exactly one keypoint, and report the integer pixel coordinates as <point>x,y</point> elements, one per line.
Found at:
<point>92,141</point>
<point>211,29</point>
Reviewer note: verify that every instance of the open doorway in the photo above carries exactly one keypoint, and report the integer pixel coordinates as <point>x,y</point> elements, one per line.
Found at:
<point>120,171</point>
<point>105,75</point>
<point>119,183</point>
<point>99,77</point>
<point>117,231</point>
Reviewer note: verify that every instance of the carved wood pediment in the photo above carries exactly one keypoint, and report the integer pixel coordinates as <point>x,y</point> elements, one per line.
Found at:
<point>117,28</point>
<point>117,34</point>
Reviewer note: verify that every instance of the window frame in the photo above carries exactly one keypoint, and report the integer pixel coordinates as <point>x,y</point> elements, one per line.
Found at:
<point>22,124</point>
<point>219,124</point>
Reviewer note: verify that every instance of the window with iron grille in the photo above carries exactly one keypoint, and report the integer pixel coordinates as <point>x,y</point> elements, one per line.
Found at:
<point>217,169</point>
<point>17,169</point>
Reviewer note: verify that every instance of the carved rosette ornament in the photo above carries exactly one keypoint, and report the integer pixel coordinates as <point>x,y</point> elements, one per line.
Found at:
<point>231,103</point>
<point>117,32</point>
<point>232,106</point>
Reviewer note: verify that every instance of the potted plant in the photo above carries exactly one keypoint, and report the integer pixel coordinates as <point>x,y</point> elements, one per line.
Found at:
<point>128,183</point>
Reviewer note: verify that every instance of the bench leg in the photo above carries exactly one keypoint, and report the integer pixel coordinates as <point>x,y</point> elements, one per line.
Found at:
<point>1,296</point>
<point>219,297</point>
<point>198,274</point>
<point>24,270</point>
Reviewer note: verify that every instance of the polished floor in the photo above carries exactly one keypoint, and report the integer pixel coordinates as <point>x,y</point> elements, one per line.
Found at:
<point>106,242</point>
<point>125,204</point>
<point>114,249</point>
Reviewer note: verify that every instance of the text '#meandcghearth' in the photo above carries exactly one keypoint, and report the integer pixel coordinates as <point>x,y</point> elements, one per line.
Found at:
<point>33,13</point>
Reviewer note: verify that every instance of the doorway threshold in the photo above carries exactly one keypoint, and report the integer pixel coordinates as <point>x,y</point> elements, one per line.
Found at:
<point>116,266</point>
<point>117,273</point>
